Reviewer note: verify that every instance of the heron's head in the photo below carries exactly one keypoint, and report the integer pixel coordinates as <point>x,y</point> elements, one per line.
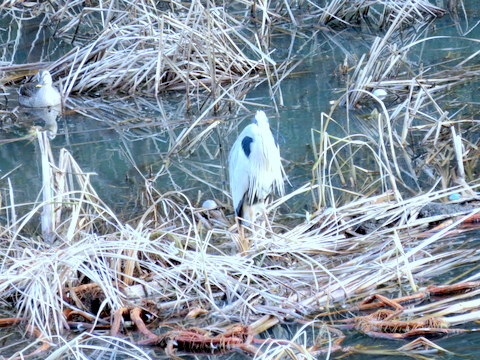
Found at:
<point>44,78</point>
<point>261,119</point>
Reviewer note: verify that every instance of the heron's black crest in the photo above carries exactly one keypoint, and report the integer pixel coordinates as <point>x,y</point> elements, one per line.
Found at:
<point>246,141</point>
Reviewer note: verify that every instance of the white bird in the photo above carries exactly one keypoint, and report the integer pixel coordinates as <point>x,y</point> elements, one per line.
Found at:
<point>42,94</point>
<point>255,169</point>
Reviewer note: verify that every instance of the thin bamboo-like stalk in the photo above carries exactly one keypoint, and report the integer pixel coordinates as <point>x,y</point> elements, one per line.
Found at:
<point>48,217</point>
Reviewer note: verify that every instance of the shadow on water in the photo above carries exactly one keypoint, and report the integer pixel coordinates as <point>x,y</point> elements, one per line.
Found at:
<point>123,142</point>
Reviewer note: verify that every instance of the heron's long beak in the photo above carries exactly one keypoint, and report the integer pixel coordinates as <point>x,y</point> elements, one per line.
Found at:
<point>38,85</point>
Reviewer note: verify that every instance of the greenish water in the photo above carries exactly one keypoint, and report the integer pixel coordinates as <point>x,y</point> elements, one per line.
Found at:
<point>107,135</point>
<point>112,139</point>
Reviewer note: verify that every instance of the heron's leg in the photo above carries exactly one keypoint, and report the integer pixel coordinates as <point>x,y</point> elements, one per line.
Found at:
<point>250,213</point>
<point>265,222</point>
<point>244,240</point>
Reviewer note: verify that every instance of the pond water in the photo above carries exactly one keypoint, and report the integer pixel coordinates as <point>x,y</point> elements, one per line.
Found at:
<point>121,140</point>
<point>126,140</point>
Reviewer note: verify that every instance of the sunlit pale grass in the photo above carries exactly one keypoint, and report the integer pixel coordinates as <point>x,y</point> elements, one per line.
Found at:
<point>381,13</point>
<point>169,256</point>
<point>166,255</point>
<point>155,51</point>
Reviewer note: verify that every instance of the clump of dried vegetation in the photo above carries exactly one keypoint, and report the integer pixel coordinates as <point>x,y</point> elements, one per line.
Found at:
<point>141,48</point>
<point>172,278</point>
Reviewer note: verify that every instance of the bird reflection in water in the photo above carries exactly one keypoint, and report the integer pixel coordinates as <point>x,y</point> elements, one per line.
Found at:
<point>48,117</point>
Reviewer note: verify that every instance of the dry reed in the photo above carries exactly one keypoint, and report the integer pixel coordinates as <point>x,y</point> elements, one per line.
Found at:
<point>370,238</point>
<point>165,256</point>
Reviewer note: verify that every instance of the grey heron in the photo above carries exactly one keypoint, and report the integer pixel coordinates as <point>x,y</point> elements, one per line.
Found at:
<point>255,169</point>
<point>42,94</point>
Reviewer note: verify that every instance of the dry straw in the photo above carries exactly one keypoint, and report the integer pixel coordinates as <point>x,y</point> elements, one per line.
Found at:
<point>361,240</point>
<point>140,49</point>
<point>166,256</point>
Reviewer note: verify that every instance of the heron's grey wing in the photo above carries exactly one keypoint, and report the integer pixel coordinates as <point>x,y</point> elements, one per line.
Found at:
<point>265,164</point>
<point>239,169</point>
